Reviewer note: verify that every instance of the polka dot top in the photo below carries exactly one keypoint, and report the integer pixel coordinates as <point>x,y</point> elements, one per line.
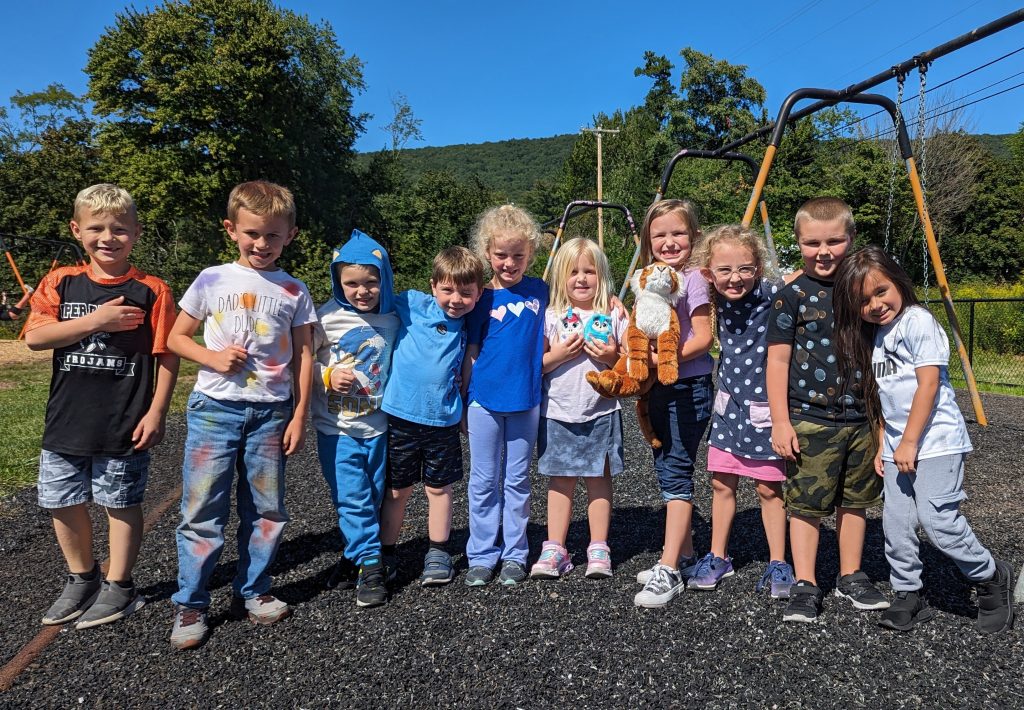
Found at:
<point>741,423</point>
<point>802,317</point>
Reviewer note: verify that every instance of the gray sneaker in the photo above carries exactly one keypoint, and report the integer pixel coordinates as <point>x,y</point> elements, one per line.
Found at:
<point>512,573</point>
<point>687,568</point>
<point>479,576</point>
<point>113,602</point>
<point>437,568</point>
<point>78,594</point>
<point>265,609</point>
<point>664,585</point>
<point>190,629</point>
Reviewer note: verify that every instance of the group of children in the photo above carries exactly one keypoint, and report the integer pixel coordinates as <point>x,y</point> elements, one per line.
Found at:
<point>389,380</point>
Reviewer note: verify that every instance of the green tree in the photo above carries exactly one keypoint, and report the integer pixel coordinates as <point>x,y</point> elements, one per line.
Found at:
<point>199,96</point>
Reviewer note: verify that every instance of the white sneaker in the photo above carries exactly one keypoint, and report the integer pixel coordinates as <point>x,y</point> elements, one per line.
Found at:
<point>687,567</point>
<point>664,585</point>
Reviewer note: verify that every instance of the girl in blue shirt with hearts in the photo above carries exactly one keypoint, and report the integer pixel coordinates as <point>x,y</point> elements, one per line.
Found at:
<point>502,382</point>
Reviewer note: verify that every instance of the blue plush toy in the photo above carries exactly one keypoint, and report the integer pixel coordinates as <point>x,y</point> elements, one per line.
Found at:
<point>599,327</point>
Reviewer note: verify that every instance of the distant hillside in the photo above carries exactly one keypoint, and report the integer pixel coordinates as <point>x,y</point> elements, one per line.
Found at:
<point>510,167</point>
<point>996,144</point>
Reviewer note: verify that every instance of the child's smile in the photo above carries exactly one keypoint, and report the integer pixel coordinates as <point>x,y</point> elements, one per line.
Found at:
<point>670,239</point>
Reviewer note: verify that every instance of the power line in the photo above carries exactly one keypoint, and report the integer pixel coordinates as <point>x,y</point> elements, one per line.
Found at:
<point>828,29</point>
<point>888,133</point>
<point>835,132</point>
<point>788,20</point>
<point>903,44</point>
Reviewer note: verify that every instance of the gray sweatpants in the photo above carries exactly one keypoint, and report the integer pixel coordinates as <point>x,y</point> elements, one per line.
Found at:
<point>931,497</point>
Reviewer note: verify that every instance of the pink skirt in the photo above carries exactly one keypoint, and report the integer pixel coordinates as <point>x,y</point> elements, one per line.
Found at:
<point>723,462</point>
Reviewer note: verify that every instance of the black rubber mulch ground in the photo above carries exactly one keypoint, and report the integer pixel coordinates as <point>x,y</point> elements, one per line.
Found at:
<point>574,641</point>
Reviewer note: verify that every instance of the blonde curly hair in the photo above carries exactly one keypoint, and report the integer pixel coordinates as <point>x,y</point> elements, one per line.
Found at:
<point>505,221</point>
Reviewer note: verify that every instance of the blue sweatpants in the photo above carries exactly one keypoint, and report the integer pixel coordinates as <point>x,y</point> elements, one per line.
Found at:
<point>355,470</point>
<point>931,497</point>
<point>500,448</point>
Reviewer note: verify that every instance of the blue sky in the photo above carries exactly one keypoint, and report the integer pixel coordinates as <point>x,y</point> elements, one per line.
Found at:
<point>491,71</point>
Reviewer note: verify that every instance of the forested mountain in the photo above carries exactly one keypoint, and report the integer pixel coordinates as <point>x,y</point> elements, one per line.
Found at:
<point>510,167</point>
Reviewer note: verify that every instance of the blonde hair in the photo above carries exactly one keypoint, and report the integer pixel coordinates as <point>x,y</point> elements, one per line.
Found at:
<point>684,208</point>
<point>458,265</point>
<point>505,221</point>
<point>565,259</point>
<point>825,209</point>
<point>105,198</point>
<point>262,198</point>
<point>737,234</point>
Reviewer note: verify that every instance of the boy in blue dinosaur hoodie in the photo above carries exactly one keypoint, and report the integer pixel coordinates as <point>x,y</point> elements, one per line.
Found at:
<point>353,345</point>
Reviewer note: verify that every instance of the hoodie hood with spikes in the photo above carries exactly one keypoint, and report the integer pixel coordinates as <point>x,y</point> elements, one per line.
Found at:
<point>363,249</point>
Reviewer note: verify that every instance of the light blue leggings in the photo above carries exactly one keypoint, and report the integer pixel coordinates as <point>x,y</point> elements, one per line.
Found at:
<point>931,497</point>
<point>500,447</point>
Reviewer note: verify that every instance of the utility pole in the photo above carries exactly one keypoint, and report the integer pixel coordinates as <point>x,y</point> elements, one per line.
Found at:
<point>598,131</point>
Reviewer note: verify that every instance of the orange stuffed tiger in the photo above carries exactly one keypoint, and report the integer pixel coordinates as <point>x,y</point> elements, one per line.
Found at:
<point>653,318</point>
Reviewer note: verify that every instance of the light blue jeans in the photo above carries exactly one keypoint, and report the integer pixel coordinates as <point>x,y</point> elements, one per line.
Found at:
<point>225,437</point>
<point>500,448</point>
<point>931,497</point>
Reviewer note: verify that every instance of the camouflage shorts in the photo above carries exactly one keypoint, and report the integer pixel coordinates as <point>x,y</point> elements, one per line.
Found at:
<point>835,468</point>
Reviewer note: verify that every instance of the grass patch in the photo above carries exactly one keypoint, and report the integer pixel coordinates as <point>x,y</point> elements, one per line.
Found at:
<point>24,389</point>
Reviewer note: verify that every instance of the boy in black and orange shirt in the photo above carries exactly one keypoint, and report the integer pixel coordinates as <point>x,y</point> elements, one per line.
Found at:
<point>107,324</point>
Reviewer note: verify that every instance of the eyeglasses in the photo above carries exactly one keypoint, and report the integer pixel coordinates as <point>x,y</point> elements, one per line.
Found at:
<point>724,272</point>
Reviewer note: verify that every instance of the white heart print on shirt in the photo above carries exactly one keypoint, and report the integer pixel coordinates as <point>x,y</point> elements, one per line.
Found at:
<point>516,309</point>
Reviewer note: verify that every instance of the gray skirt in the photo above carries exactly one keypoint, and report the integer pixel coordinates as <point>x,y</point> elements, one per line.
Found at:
<point>580,449</point>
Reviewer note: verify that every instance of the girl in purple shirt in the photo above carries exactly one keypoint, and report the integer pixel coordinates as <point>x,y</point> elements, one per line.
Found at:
<point>679,412</point>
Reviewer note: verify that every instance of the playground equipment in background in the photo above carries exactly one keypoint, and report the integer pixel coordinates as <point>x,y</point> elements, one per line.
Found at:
<point>828,97</point>
<point>56,249</point>
<point>579,207</point>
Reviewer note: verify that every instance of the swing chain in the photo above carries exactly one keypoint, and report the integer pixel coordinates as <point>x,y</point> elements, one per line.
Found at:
<point>922,141</point>
<point>893,157</point>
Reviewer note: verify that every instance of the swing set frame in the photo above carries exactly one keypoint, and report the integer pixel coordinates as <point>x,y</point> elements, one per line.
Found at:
<point>60,248</point>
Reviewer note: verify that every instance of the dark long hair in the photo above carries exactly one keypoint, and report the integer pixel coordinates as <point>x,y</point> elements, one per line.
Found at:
<point>854,336</point>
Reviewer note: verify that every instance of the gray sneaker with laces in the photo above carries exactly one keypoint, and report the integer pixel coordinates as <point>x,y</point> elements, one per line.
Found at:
<point>114,602</point>
<point>79,592</point>
<point>190,629</point>
<point>664,585</point>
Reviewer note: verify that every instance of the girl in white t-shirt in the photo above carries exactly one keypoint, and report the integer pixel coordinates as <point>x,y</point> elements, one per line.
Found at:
<point>903,353</point>
<point>580,432</point>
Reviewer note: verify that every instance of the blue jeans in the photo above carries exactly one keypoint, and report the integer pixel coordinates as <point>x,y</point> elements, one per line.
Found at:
<point>355,470</point>
<point>225,437</point>
<point>500,448</point>
<point>679,413</point>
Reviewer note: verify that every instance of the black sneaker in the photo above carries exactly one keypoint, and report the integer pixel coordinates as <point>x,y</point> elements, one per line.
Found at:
<point>343,575</point>
<point>371,589</point>
<point>804,603</point>
<point>859,589</point>
<point>79,593</point>
<point>995,601</point>
<point>907,610</point>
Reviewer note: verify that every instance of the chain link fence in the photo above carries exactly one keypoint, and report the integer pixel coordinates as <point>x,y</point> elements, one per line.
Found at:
<point>993,333</point>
